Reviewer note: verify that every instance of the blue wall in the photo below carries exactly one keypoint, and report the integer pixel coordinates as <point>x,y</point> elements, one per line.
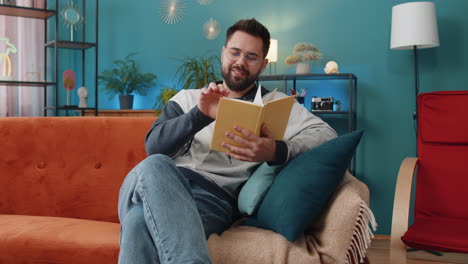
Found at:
<point>356,34</point>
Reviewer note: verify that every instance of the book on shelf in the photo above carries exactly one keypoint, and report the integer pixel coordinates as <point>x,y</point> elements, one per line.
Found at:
<point>251,115</point>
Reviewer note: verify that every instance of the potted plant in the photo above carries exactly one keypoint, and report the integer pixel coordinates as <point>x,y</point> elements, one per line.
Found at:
<point>196,72</point>
<point>161,100</point>
<point>303,52</point>
<point>125,80</point>
<point>337,105</point>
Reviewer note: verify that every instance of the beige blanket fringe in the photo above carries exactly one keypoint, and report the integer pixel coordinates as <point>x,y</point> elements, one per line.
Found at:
<point>362,235</point>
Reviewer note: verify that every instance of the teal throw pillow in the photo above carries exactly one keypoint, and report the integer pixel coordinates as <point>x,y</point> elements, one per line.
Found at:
<point>301,190</point>
<point>256,187</point>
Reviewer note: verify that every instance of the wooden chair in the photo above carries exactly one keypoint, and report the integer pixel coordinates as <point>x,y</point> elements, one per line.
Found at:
<point>440,228</point>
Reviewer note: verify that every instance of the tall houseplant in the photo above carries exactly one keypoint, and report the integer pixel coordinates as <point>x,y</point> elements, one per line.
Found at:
<point>196,72</point>
<point>125,80</point>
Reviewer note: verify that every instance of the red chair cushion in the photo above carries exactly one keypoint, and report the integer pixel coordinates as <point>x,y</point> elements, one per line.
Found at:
<point>438,234</point>
<point>442,117</point>
<point>442,151</point>
<point>440,211</point>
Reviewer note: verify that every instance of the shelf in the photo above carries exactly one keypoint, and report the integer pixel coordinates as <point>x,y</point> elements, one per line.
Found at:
<point>351,86</point>
<point>346,78</point>
<point>124,113</point>
<point>28,12</point>
<point>54,43</point>
<point>25,83</point>
<point>69,107</point>
<point>330,112</point>
<point>282,77</point>
<point>73,108</point>
<point>51,29</point>
<point>70,44</point>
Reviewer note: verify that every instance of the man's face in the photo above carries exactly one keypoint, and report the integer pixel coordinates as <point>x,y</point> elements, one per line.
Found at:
<point>242,61</point>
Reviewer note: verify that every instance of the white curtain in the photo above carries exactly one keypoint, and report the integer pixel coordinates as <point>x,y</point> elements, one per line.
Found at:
<point>27,64</point>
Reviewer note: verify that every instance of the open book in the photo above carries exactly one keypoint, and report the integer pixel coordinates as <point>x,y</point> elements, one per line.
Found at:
<point>251,115</point>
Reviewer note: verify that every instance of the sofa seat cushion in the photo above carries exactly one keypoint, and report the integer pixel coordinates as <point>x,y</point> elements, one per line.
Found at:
<point>39,239</point>
<point>438,234</point>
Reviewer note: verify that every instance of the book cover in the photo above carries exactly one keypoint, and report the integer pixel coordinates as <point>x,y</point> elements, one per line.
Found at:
<point>250,115</point>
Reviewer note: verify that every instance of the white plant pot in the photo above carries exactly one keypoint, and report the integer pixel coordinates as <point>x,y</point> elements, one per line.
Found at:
<point>24,3</point>
<point>7,78</point>
<point>39,4</point>
<point>302,68</point>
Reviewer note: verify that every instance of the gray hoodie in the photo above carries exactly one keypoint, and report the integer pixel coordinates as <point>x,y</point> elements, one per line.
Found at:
<point>183,133</point>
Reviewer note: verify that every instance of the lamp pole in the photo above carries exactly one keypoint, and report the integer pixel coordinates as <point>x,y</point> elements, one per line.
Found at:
<point>416,81</point>
<point>416,93</point>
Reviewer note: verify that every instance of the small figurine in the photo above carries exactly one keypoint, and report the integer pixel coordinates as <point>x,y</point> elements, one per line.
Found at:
<point>331,67</point>
<point>83,94</point>
<point>6,57</point>
<point>69,81</point>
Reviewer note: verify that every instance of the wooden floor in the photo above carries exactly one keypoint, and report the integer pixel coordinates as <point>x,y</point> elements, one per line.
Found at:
<point>379,253</point>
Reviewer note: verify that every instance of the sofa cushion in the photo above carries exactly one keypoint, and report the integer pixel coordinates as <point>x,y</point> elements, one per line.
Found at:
<point>39,239</point>
<point>256,187</point>
<point>56,166</point>
<point>303,187</point>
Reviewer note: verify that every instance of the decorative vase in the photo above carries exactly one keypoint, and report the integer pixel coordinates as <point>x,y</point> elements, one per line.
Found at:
<point>39,4</point>
<point>126,101</point>
<point>300,99</point>
<point>24,3</point>
<point>7,2</point>
<point>302,68</point>
<point>337,107</point>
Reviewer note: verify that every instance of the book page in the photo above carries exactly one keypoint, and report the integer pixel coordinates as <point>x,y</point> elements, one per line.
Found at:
<point>258,96</point>
<point>269,96</point>
<point>276,115</point>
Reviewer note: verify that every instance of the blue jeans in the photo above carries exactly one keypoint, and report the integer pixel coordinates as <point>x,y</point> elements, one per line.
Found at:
<point>166,218</point>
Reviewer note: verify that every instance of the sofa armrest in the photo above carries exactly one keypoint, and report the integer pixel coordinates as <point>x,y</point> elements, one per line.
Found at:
<point>344,231</point>
<point>341,235</point>
<point>401,206</point>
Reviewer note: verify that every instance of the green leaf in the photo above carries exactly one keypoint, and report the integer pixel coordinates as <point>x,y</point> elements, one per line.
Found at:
<point>166,94</point>
<point>196,72</point>
<point>125,78</point>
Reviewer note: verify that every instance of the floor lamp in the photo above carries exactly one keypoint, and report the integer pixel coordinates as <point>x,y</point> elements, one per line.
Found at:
<point>414,26</point>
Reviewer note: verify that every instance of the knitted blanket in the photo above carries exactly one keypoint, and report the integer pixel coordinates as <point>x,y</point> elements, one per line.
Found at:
<point>341,235</point>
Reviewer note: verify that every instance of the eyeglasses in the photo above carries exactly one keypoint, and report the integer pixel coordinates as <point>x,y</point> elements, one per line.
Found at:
<point>252,59</point>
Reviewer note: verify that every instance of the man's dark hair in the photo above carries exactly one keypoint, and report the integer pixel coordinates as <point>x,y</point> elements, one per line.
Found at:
<point>254,28</point>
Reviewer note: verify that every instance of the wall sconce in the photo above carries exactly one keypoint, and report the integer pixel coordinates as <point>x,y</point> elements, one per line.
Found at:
<point>272,55</point>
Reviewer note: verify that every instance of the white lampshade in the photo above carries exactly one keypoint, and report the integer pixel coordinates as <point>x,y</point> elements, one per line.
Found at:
<point>414,24</point>
<point>272,55</point>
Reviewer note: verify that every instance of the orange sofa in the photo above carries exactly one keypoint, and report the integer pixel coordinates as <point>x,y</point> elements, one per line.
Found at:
<point>59,180</point>
<point>59,185</point>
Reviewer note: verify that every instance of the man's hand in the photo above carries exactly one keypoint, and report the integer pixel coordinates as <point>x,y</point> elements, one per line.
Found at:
<point>252,148</point>
<point>209,98</point>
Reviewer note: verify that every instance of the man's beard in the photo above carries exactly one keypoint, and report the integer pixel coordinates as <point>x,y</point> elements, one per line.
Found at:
<point>236,83</point>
